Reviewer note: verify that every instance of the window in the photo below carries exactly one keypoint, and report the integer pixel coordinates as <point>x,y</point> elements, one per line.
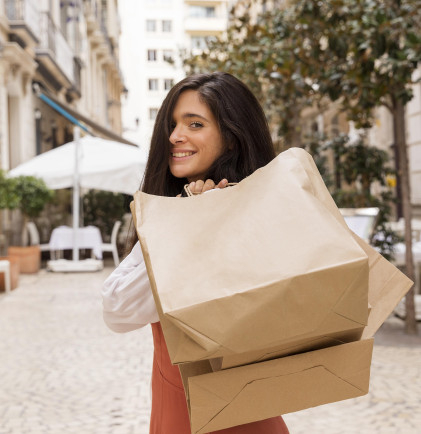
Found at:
<point>201,42</point>
<point>166,26</point>
<point>202,11</point>
<point>153,84</point>
<point>153,112</point>
<point>168,83</point>
<point>168,55</point>
<point>152,55</point>
<point>198,42</point>
<point>150,25</point>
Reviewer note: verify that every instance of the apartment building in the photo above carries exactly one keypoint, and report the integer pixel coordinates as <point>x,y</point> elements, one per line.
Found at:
<point>59,61</point>
<point>151,53</point>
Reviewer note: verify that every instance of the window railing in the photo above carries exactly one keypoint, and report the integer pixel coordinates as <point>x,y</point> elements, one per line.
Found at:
<point>24,11</point>
<point>53,40</point>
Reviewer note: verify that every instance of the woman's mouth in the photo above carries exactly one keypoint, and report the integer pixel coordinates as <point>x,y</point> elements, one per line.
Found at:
<point>181,154</point>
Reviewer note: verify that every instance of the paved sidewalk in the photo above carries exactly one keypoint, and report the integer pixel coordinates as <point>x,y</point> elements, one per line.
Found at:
<point>62,371</point>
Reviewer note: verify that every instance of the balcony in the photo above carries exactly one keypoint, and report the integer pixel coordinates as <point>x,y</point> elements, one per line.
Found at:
<point>24,20</point>
<point>96,20</point>
<point>54,52</point>
<point>209,25</point>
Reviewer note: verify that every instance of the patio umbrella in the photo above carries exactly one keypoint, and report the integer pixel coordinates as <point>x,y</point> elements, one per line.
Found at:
<point>102,165</point>
<point>88,162</point>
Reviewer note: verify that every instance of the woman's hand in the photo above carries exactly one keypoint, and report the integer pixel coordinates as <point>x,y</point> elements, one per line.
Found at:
<point>200,186</point>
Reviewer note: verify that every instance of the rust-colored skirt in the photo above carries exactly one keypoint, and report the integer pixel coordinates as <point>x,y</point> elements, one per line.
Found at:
<point>169,408</point>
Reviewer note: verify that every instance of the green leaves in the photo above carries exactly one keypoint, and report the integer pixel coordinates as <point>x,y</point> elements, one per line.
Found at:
<point>33,195</point>
<point>9,198</point>
<point>27,193</point>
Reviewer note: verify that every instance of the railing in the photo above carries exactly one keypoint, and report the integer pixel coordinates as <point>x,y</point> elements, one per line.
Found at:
<point>25,11</point>
<point>53,40</point>
<point>91,6</point>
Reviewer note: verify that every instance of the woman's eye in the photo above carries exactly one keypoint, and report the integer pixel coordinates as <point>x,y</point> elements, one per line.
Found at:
<point>196,124</point>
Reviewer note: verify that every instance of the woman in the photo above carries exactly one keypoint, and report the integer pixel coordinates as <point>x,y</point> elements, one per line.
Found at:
<point>210,128</point>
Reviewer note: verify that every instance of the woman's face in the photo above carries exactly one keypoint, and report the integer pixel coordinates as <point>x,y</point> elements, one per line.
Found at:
<point>196,141</point>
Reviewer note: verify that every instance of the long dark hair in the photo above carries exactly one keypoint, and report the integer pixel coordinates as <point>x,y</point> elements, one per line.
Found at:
<point>244,130</point>
<point>243,126</point>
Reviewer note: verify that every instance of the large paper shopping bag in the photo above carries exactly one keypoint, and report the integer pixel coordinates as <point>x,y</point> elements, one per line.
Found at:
<point>259,266</point>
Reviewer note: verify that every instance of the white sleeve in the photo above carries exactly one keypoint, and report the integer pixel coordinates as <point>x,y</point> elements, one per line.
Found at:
<point>127,296</point>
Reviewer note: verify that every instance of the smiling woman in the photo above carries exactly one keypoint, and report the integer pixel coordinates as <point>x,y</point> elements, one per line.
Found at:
<point>209,131</point>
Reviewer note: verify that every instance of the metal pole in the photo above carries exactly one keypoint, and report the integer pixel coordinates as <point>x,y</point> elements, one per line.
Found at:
<point>76,194</point>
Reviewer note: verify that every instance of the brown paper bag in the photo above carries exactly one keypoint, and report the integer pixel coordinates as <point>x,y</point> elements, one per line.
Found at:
<point>253,267</point>
<point>239,395</point>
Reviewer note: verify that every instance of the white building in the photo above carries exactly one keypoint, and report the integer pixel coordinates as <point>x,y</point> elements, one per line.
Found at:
<point>164,30</point>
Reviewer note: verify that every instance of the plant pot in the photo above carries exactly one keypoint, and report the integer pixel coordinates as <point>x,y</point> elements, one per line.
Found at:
<point>29,258</point>
<point>14,272</point>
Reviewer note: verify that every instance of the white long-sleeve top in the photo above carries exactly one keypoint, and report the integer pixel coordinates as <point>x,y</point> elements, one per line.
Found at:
<point>127,296</point>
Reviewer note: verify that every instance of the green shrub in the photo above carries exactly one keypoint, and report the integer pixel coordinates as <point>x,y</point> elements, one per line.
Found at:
<point>102,209</point>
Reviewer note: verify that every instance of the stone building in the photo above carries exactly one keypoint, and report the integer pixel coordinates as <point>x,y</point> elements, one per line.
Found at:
<point>54,56</point>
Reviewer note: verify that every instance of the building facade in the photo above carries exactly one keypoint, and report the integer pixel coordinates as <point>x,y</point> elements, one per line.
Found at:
<point>152,49</point>
<point>67,51</point>
<point>381,135</point>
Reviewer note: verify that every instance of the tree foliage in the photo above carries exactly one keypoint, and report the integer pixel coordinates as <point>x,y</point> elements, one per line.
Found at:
<point>361,52</point>
<point>33,195</point>
<point>103,209</point>
<point>9,199</point>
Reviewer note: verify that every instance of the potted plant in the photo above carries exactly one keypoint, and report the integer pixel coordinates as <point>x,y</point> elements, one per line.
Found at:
<point>9,200</point>
<point>33,196</point>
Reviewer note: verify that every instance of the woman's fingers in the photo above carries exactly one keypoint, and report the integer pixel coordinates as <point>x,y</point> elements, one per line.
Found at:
<point>196,187</point>
<point>209,185</point>
<point>200,186</point>
<point>223,183</point>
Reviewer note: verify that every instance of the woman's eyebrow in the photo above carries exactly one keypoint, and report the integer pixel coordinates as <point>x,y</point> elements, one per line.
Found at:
<point>194,115</point>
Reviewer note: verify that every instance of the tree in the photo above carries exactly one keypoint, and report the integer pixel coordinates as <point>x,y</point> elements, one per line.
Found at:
<point>33,195</point>
<point>368,51</point>
<point>360,53</point>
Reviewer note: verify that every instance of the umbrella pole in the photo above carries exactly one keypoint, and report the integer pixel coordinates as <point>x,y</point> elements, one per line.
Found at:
<point>76,194</point>
<point>75,265</point>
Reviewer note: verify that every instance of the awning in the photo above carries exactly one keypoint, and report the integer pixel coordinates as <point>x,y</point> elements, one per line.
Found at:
<point>77,118</point>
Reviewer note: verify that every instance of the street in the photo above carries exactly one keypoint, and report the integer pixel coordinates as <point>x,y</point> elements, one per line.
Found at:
<point>63,371</point>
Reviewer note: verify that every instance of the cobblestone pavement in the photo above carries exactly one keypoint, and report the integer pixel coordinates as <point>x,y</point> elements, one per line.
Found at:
<point>62,371</point>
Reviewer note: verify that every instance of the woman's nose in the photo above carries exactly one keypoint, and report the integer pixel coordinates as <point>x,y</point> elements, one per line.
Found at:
<point>177,136</point>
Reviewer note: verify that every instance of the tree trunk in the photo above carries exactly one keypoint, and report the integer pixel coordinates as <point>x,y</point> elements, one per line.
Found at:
<point>400,142</point>
<point>294,135</point>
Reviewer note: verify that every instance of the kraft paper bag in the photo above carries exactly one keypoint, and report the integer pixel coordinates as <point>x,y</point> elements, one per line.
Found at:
<point>239,395</point>
<point>261,265</point>
<point>244,394</point>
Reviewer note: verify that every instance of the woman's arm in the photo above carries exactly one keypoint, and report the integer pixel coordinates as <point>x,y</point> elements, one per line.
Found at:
<point>127,297</point>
